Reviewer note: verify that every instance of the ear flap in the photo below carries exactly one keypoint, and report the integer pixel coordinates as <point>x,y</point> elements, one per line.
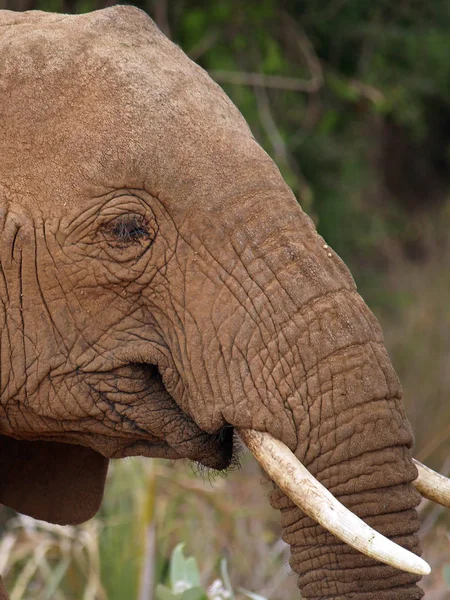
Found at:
<point>59,483</point>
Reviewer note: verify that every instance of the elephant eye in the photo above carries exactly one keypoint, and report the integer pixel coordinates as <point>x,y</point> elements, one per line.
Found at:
<point>129,229</point>
<point>128,236</point>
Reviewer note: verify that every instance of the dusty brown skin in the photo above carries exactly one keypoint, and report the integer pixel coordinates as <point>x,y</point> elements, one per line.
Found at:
<point>160,285</point>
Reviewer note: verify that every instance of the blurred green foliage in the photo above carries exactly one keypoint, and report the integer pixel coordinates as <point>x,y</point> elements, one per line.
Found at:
<point>366,146</point>
<point>184,581</point>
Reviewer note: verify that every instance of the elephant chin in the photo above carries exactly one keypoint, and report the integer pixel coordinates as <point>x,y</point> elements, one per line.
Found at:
<point>213,451</point>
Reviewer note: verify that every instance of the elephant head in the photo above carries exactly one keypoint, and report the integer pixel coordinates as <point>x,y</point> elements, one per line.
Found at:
<point>161,290</point>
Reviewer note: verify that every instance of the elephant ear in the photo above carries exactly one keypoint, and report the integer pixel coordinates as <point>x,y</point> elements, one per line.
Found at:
<point>59,483</point>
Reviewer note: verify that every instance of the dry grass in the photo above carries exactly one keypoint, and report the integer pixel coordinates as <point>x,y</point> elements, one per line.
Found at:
<point>418,339</point>
<point>417,332</point>
<point>102,559</point>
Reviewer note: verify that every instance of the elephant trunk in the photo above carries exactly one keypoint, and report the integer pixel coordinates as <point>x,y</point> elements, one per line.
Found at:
<point>316,376</point>
<point>327,567</point>
<point>340,393</point>
<point>310,496</point>
<point>357,444</point>
<point>352,434</point>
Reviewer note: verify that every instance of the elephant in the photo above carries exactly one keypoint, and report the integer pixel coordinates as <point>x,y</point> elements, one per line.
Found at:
<point>162,293</point>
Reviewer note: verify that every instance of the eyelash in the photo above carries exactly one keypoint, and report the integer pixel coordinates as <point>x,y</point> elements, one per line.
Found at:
<point>129,229</point>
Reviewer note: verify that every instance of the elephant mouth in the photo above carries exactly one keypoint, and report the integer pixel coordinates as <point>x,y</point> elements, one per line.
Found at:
<point>214,451</point>
<point>148,422</point>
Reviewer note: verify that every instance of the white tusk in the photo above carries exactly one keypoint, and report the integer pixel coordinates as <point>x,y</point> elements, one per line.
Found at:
<point>317,502</point>
<point>432,485</point>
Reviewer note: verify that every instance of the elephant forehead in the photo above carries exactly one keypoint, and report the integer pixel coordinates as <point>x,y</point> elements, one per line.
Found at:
<point>106,98</point>
<point>36,43</point>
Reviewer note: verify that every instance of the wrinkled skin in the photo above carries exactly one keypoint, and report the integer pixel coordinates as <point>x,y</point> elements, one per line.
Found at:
<point>160,286</point>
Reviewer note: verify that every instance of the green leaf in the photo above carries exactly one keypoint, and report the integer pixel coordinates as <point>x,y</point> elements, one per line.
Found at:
<point>273,61</point>
<point>342,87</point>
<point>177,565</point>
<point>195,593</point>
<point>191,571</point>
<point>163,593</point>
